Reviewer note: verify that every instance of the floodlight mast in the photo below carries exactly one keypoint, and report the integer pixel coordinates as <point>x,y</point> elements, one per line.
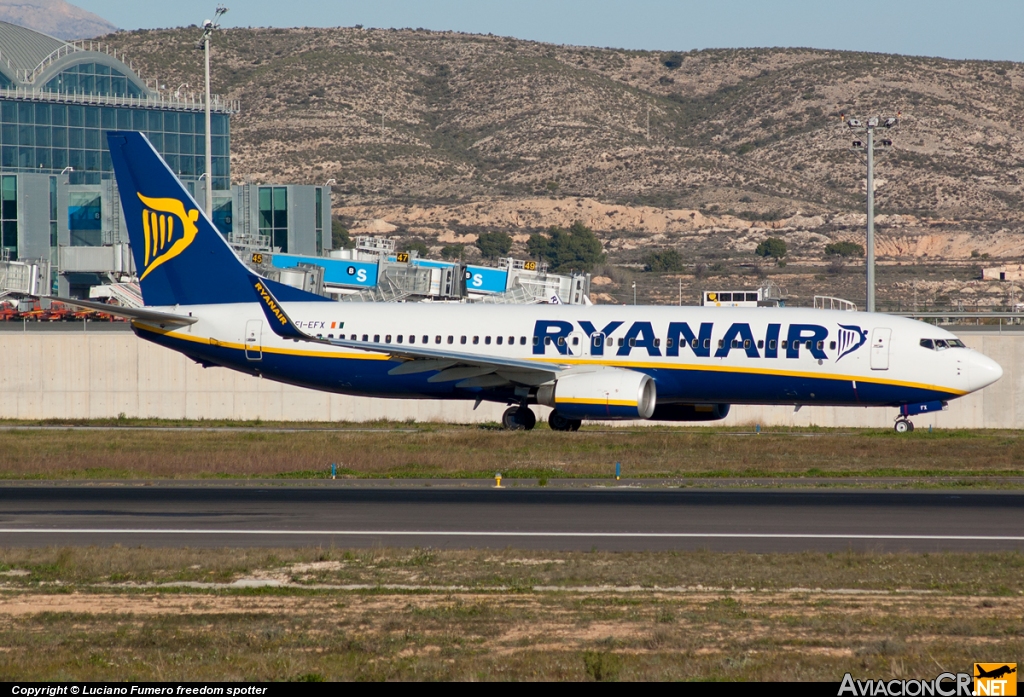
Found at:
<point>856,125</point>
<point>204,43</point>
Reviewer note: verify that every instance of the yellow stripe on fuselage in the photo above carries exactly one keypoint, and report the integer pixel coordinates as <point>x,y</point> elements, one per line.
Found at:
<point>602,402</point>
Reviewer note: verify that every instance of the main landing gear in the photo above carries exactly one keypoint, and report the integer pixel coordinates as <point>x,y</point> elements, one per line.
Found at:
<point>903,425</point>
<point>520,418</point>
<point>557,422</point>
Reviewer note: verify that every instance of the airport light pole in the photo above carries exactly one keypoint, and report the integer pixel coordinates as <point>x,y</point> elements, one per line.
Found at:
<point>204,43</point>
<point>868,128</point>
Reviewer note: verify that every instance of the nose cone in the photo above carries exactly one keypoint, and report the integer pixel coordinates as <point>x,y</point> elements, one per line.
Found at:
<point>982,371</point>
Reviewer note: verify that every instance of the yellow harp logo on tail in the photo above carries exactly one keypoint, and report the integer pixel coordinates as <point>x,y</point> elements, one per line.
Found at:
<point>167,230</point>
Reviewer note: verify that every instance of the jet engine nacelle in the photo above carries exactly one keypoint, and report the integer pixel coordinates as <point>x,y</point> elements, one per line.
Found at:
<point>603,394</point>
<point>690,412</point>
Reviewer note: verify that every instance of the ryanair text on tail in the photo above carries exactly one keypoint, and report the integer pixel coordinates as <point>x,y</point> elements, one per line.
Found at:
<point>988,679</point>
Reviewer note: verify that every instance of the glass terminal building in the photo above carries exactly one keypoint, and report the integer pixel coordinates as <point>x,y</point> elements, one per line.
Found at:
<point>58,199</point>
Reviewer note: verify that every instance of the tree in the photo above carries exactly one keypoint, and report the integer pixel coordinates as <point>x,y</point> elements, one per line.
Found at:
<point>494,244</point>
<point>340,239</point>
<point>844,249</point>
<point>665,260</point>
<point>414,245</point>
<point>575,249</point>
<point>771,247</point>
<point>452,251</point>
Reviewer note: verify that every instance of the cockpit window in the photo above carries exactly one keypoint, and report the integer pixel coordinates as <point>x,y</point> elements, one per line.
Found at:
<point>941,344</point>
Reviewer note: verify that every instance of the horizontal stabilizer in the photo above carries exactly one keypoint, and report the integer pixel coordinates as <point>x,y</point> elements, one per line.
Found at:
<point>161,318</point>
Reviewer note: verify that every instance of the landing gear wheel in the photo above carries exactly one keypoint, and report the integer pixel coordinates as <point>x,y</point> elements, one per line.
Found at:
<point>518,419</point>
<point>557,422</point>
<point>903,426</point>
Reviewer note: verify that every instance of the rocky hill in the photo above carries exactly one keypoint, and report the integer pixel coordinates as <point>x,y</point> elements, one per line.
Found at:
<point>54,17</point>
<point>445,134</point>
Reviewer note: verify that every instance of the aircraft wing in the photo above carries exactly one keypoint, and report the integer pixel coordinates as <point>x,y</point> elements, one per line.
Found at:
<point>161,318</point>
<point>468,370</point>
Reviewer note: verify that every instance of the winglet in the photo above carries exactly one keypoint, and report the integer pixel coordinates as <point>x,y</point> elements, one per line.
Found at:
<point>279,321</point>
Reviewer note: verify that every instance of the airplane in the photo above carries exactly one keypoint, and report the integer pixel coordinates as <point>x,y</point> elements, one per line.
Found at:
<point>598,362</point>
<point>995,673</point>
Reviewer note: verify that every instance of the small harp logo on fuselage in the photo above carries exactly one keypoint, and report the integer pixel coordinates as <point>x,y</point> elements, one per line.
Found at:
<point>167,230</point>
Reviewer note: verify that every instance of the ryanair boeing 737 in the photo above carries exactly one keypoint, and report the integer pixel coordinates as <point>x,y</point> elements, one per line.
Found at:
<point>586,362</point>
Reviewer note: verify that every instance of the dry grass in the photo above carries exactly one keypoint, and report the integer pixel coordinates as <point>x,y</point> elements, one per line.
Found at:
<point>75,616</point>
<point>440,451</point>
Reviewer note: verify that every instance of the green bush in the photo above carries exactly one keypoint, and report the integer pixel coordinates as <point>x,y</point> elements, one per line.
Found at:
<point>418,246</point>
<point>665,260</point>
<point>772,247</point>
<point>340,239</point>
<point>494,244</point>
<point>575,249</point>
<point>844,249</point>
<point>672,61</point>
<point>452,251</point>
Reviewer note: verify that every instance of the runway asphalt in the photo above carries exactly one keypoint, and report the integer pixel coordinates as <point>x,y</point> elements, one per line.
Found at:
<point>452,516</point>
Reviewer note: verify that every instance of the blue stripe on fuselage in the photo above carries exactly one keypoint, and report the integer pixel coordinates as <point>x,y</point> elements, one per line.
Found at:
<point>369,377</point>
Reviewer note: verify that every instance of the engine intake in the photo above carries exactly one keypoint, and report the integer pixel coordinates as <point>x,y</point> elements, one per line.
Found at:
<point>605,394</point>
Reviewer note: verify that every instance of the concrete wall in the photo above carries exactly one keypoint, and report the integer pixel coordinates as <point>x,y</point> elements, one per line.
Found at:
<point>85,375</point>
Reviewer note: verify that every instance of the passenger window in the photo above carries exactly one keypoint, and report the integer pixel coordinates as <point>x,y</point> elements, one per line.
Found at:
<point>611,341</point>
<point>821,345</point>
<point>365,337</point>
<point>462,340</point>
<point>451,339</point>
<point>512,340</point>
<point>575,341</point>
<point>760,343</point>
<point>657,342</point>
<point>376,338</point>
<point>746,343</point>
<point>832,345</point>
<point>721,343</point>
<point>476,340</point>
<point>426,339</point>
<point>785,344</point>
<point>331,336</point>
<point>707,343</point>
<point>499,339</point>
<point>397,338</point>
<point>668,343</point>
<point>412,338</point>
<point>809,344</point>
<point>561,341</point>
<point>352,338</point>
<point>632,342</point>
<point>536,341</point>
<point>437,339</point>
<point>622,342</point>
<point>487,340</point>
<point>387,339</point>
<point>597,340</point>
<point>522,340</point>
<point>735,343</point>
<point>547,341</point>
<point>771,345</point>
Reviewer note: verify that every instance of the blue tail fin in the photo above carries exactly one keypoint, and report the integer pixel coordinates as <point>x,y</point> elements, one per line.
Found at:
<point>180,256</point>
